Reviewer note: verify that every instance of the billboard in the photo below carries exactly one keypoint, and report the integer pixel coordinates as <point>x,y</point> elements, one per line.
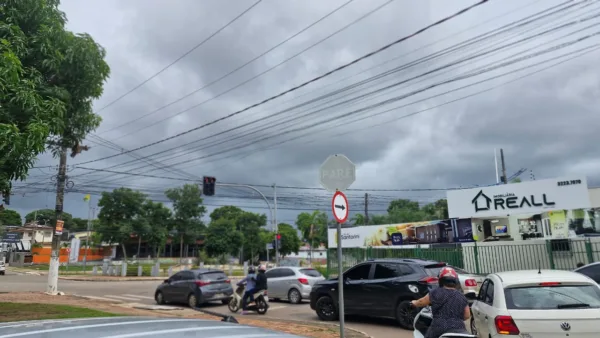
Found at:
<point>375,235</point>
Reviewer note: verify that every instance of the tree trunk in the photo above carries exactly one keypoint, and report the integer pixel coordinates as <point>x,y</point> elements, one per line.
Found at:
<point>124,252</point>
<point>181,249</point>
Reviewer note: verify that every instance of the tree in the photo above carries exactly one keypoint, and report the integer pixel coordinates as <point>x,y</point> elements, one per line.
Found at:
<point>290,242</point>
<point>31,108</point>
<point>187,203</point>
<point>378,219</point>
<point>10,217</point>
<point>121,214</point>
<point>47,216</point>
<point>358,219</point>
<point>158,220</point>
<point>437,210</point>
<point>222,237</point>
<point>249,224</point>
<point>403,204</point>
<point>229,212</point>
<point>78,224</point>
<point>318,220</point>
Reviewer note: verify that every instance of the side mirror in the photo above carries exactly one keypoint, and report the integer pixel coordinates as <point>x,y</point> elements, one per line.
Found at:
<point>167,281</point>
<point>471,295</point>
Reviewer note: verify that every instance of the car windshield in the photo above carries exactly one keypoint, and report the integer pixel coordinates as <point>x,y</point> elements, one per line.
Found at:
<point>553,297</point>
<point>310,272</point>
<point>434,271</point>
<point>213,276</point>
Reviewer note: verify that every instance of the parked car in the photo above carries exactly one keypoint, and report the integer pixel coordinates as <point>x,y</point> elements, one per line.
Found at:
<point>292,283</point>
<point>537,303</point>
<point>378,288</point>
<point>195,287</point>
<point>591,270</point>
<point>469,282</point>
<point>2,267</point>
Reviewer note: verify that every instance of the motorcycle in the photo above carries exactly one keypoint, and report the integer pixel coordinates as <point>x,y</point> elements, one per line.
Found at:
<point>424,318</point>
<point>260,304</point>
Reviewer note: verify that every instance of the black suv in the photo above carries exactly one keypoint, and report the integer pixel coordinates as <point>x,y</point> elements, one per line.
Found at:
<point>378,288</point>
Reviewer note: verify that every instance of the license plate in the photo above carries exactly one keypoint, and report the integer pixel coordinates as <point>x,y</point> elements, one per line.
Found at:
<point>219,295</point>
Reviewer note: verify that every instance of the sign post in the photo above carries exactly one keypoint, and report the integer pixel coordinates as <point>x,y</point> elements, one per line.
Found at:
<point>338,173</point>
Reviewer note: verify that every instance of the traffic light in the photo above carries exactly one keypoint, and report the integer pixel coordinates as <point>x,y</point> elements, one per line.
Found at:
<point>208,186</point>
<point>278,240</point>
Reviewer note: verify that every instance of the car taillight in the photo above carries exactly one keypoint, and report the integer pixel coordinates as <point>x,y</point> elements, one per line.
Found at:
<point>202,282</point>
<point>550,284</point>
<point>228,281</point>
<point>471,282</point>
<point>429,280</point>
<point>303,281</point>
<point>506,325</point>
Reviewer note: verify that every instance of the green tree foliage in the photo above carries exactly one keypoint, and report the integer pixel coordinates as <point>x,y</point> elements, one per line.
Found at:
<point>48,78</point>
<point>47,216</point>
<point>358,219</point>
<point>222,238</point>
<point>10,217</point>
<point>290,242</point>
<point>187,203</point>
<point>248,224</point>
<point>78,224</point>
<point>121,214</point>
<point>319,221</point>
<point>403,204</point>
<point>158,220</point>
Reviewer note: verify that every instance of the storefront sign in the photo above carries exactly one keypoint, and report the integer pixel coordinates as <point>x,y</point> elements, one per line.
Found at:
<point>519,198</point>
<point>11,237</point>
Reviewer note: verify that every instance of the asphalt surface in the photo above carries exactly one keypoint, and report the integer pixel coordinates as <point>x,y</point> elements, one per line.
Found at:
<point>142,292</point>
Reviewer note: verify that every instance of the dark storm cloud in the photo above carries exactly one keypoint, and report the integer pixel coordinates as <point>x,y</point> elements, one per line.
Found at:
<point>545,123</point>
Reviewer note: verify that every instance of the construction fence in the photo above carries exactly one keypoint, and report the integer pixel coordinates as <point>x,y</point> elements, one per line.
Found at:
<point>484,257</point>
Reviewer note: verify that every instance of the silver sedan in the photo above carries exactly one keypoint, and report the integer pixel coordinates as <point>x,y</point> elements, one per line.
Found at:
<point>292,283</point>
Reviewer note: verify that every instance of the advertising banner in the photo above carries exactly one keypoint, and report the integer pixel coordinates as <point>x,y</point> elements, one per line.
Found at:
<point>375,235</point>
<point>74,254</point>
<point>520,198</point>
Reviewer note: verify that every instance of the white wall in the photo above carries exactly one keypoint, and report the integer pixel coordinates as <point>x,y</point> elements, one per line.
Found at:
<point>526,255</point>
<point>595,197</point>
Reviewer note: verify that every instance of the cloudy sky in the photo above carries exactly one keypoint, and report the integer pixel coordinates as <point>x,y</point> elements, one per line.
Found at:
<point>426,113</point>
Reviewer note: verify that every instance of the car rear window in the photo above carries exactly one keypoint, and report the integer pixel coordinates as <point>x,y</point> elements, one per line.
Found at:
<point>213,276</point>
<point>552,297</point>
<point>434,271</point>
<point>311,272</point>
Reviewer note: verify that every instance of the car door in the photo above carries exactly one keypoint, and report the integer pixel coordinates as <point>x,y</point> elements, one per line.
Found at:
<point>169,289</point>
<point>274,283</point>
<point>186,285</point>
<point>483,311</point>
<point>355,297</point>
<point>287,278</point>
<point>390,282</point>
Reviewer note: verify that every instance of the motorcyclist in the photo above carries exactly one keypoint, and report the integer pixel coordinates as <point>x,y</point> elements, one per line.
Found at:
<point>249,283</point>
<point>260,284</point>
<point>449,306</point>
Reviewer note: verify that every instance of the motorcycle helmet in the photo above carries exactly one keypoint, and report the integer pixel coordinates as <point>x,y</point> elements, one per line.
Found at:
<point>448,277</point>
<point>251,270</point>
<point>262,268</point>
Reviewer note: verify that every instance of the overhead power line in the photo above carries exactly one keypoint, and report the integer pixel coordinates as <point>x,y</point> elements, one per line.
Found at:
<point>420,31</point>
<point>179,58</point>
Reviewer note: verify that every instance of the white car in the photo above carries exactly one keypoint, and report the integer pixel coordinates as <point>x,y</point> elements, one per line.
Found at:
<point>537,303</point>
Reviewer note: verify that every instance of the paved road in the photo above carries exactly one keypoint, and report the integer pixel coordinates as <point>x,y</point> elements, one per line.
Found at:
<point>143,292</point>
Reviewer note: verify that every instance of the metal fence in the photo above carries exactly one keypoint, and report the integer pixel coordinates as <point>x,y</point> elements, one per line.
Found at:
<point>484,258</point>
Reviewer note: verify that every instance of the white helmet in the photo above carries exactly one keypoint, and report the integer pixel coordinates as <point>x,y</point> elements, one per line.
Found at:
<point>262,268</point>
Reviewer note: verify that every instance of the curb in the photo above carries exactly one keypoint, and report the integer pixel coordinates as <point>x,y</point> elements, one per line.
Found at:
<point>124,279</point>
<point>308,323</point>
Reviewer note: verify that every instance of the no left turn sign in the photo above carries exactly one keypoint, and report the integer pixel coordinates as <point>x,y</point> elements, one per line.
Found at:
<point>339,206</point>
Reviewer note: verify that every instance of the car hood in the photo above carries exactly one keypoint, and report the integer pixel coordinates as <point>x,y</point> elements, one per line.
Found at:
<point>132,327</point>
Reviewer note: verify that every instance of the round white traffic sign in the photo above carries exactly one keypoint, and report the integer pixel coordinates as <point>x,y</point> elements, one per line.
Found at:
<point>339,206</point>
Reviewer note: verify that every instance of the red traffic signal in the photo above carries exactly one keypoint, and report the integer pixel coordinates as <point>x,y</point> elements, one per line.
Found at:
<point>278,236</point>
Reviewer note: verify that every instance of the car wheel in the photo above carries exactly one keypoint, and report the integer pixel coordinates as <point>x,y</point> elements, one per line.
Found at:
<point>405,315</point>
<point>294,296</point>
<point>473,328</point>
<point>160,299</point>
<point>192,301</point>
<point>326,309</point>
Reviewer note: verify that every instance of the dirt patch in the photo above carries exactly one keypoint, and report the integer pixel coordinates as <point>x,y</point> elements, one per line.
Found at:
<point>300,329</point>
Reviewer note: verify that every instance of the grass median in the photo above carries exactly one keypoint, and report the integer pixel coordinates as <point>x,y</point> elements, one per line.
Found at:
<point>10,312</point>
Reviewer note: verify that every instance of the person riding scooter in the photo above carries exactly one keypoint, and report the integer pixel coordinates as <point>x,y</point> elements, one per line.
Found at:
<point>449,306</point>
<point>249,283</point>
<point>261,284</point>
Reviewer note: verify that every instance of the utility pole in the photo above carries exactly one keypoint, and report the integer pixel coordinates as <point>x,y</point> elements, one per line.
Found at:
<point>52,287</point>
<point>504,178</point>
<point>89,225</point>
<point>366,208</point>
<point>276,225</point>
